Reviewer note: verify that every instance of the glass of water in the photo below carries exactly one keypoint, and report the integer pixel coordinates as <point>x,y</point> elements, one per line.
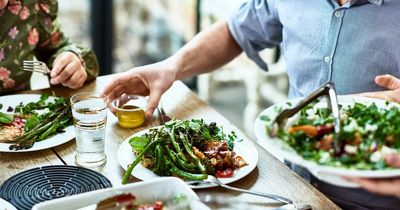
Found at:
<point>89,111</point>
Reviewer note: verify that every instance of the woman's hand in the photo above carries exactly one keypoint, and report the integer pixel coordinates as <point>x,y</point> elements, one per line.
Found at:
<point>152,80</point>
<point>382,186</point>
<point>391,83</point>
<point>68,70</point>
<point>3,4</point>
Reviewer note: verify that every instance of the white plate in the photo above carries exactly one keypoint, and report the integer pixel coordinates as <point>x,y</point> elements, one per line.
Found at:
<point>143,191</point>
<point>244,148</point>
<point>60,138</point>
<point>332,175</point>
<point>4,205</point>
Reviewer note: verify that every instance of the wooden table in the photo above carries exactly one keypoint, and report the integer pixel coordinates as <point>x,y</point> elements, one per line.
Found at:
<point>270,176</point>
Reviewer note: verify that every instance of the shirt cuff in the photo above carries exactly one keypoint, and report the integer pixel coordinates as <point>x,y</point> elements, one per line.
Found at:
<point>241,40</point>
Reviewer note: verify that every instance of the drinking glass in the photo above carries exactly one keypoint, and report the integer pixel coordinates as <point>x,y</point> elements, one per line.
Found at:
<point>89,110</point>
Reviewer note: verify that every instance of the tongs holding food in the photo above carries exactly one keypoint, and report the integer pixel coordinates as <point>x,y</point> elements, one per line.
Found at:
<point>327,90</point>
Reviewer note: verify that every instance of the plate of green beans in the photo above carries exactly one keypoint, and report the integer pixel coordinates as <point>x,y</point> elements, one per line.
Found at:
<point>188,149</point>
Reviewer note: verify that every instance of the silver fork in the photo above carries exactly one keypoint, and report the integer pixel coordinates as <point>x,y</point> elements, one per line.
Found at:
<point>162,116</point>
<point>35,66</point>
<point>214,180</point>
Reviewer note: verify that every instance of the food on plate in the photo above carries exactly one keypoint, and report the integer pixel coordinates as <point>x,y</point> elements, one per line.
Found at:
<point>34,121</point>
<point>128,201</point>
<point>189,149</point>
<point>368,133</point>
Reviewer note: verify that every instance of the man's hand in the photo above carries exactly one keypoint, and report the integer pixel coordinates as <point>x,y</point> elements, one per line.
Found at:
<point>68,70</point>
<point>383,186</point>
<point>152,80</point>
<point>391,83</point>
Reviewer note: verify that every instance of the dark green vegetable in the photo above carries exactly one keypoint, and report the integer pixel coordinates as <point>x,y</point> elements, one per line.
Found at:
<point>137,160</point>
<point>174,149</point>
<point>32,122</point>
<point>186,175</point>
<point>365,131</point>
<point>195,159</point>
<point>6,118</point>
<point>53,116</point>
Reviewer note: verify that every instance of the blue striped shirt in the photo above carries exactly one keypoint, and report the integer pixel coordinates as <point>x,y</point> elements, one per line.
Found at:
<point>322,41</point>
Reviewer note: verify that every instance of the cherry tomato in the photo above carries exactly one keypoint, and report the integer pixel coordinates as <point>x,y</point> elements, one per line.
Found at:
<point>225,173</point>
<point>158,205</point>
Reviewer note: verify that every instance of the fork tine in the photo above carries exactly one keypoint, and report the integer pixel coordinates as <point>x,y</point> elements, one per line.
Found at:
<point>31,66</point>
<point>32,61</point>
<point>33,69</point>
<point>35,66</point>
<point>39,71</point>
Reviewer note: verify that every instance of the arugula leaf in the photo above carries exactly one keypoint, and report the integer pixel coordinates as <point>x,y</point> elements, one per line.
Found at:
<point>231,140</point>
<point>6,118</point>
<point>43,99</point>
<point>138,143</point>
<point>265,118</point>
<point>31,123</point>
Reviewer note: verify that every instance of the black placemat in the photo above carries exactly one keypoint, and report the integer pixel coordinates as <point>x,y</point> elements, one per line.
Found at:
<point>36,185</point>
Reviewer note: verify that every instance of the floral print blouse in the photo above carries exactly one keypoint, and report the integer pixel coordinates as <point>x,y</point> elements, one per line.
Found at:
<point>29,30</point>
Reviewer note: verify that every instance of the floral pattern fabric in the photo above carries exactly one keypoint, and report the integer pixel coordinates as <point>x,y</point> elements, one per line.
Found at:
<point>30,30</point>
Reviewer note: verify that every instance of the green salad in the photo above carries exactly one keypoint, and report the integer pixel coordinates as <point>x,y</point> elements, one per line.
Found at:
<point>23,125</point>
<point>368,133</point>
<point>189,149</point>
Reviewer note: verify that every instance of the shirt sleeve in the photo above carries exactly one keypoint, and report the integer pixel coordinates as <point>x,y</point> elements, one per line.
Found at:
<point>53,42</point>
<point>256,26</point>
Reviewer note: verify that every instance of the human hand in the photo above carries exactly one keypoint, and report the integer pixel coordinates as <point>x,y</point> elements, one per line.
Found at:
<point>3,4</point>
<point>68,71</point>
<point>152,80</point>
<point>391,83</point>
<point>382,186</point>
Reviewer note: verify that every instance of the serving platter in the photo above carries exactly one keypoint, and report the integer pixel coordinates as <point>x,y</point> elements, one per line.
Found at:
<point>330,174</point>
<point>53,141</point>
<point>243,147</point>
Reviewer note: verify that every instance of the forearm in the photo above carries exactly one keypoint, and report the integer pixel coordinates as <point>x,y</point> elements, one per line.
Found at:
<point>207,51</point>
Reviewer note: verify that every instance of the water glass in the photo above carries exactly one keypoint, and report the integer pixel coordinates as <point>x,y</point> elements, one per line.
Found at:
<point>89,111</point>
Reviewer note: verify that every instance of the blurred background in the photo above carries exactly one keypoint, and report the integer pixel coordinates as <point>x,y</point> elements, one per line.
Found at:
<point>129,33</point>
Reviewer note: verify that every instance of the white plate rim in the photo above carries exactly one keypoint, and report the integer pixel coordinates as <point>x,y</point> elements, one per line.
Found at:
<point>53,141</point>
<point>273,144</point>
<point>89,198</point>
<point>145,174</point>
<point>6,205</point>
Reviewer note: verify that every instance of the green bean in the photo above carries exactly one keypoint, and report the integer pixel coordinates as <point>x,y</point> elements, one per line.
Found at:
<point>186,175</point>
<point>190,152</point>
<point>160,161</point>
<point>137,160</point>
<point>189,167</point>
<point>175,144</point>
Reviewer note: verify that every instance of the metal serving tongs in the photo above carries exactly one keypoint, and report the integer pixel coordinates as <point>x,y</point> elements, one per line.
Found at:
<point>327,90</point>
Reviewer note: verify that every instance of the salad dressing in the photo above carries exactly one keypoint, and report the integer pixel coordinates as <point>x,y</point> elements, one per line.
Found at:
<point>130,116</point>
